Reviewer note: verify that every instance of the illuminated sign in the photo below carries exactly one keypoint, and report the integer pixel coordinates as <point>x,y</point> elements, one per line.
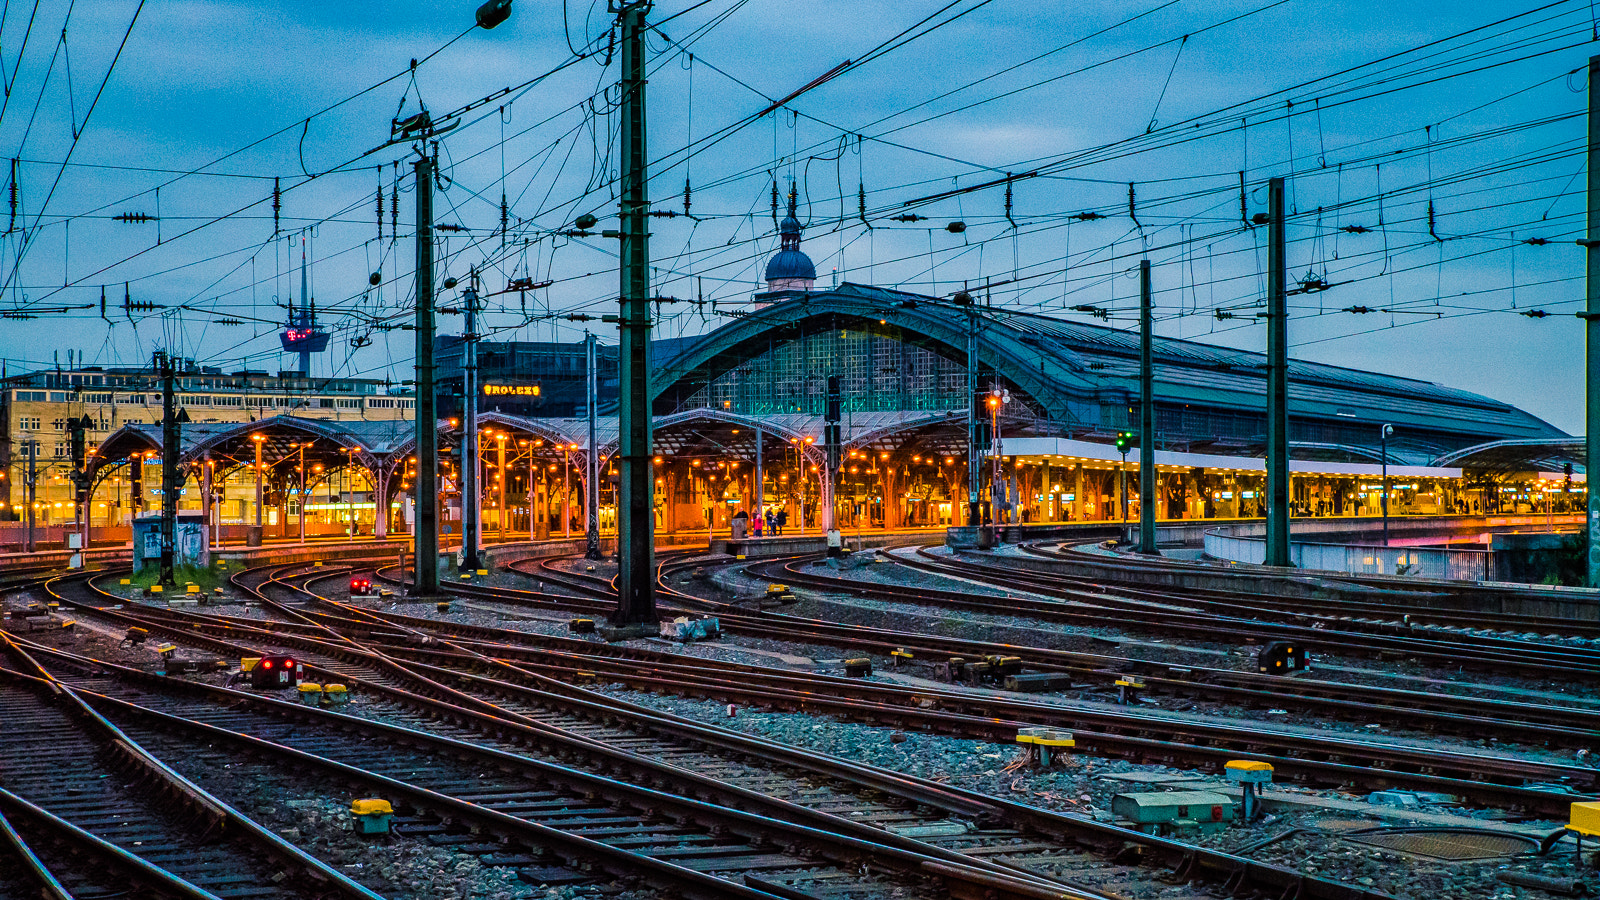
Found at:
<point>511,390</point>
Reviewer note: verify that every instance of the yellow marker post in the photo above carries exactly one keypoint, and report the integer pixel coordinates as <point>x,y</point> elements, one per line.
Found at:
<point>1249,775</point>
<point>1043,739</point>
<point>1584,820</point>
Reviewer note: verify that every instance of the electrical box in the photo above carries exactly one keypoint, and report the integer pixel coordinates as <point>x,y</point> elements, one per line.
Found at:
<point>276,672</point>
<point>1283,657</point>
<point>1174,812</point>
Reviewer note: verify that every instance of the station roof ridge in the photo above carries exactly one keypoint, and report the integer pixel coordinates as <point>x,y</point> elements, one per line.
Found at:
<point>1069,367</point>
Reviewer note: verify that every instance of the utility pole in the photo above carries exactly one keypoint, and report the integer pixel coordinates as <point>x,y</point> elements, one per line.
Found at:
<point>33,491</point>
<point>1591,332</point>
<point>426,581</point>
<point>592,483</point>
<point>636,602</point>
<point>760,487</point>
<point>471,495</point>
<point>1277,384</point>
<point>169,465</point>
<point>1147,415</point>
<point>974,472</point>
<point>1383,442</point>
<point>833,445</point>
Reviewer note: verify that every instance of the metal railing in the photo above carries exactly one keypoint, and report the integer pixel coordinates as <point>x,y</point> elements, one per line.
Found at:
<point>1358,559</point>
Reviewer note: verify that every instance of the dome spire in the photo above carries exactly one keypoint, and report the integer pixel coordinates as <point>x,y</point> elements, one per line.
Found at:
<point>790,269</point>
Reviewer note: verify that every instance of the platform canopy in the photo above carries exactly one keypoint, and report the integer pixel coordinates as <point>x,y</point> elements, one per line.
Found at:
<point>1525,455</point>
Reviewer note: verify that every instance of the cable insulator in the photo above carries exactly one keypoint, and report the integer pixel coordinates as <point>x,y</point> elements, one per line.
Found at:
<point>379,211</point>
<point>774,203</point>
<point>686,193</point>
<point>277,205</point>
<point>505,218</point>
<point>13,191</point>
<point>394,203</point>
<point>861,202</point>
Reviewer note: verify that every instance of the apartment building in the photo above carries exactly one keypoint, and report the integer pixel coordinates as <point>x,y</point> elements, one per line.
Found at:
<point>37,407</point>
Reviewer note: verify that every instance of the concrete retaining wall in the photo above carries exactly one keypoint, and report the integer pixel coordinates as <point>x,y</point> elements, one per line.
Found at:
<point>1582,604</point>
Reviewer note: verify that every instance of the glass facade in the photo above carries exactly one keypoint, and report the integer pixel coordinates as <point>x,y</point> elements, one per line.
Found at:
<point>879,371</point>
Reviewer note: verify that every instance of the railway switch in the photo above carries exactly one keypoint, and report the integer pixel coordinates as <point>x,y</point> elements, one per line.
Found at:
<point>900,655</point>
<point>335,695</point>
<point>1249,775</point>
<point>1584,820</point>
<point>1038,682</point>
<point>442,606</point>
<point>1001,666</point>
<point>1282,657</point>
<point>165,651</point>
<point>310,693</point>
<point>1041,743</point>
<point>372,816</point>
<point>69,625</point>
<point>273,672</point>
<point>1128,690</point>
<point>858,668</point>
<point>581,626</point>
<point>1174,812</point>
<point>952,669</point>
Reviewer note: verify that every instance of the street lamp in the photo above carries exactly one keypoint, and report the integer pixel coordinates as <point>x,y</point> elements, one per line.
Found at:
<point>258,440</point>
<point>1383,442</point>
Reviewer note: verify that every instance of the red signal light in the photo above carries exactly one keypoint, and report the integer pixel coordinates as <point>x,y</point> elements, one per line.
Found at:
<point>266,664</point>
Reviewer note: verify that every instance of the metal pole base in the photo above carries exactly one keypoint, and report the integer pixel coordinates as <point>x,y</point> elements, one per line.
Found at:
<point>614,633</point>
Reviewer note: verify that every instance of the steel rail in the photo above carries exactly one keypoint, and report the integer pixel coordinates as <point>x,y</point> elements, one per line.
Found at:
<point>846,852</point>
<point>211,816</point>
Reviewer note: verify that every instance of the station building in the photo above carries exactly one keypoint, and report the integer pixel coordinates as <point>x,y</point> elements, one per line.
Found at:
<point>748,397</point>
<point>36,409</point>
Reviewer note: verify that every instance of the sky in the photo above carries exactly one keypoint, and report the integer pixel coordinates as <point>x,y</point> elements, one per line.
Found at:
<point>1374,113</point>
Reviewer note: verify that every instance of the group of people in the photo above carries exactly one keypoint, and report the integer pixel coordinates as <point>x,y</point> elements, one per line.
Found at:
<point>771,522</point>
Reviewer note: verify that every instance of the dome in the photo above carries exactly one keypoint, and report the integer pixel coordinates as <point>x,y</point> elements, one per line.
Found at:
<point>787,264</point>
<point>789,225</point>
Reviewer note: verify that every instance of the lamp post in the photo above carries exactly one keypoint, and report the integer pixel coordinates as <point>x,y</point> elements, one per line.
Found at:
<point>500,448</point>
<point>566,491</point>
<point>302,467</point>
<point>258,440</point>
<point>349,505</point>
<point>1383,442</point>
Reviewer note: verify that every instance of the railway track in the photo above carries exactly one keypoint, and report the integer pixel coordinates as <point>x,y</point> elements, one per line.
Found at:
<point>1400,614</point>
<point>1173,614</point>
<point>967,847</point>
<point>1338,595</point>
<point>1511,717</point>
<point>527,678</point>
<point>98,813</point>
<point>1314,758</point>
